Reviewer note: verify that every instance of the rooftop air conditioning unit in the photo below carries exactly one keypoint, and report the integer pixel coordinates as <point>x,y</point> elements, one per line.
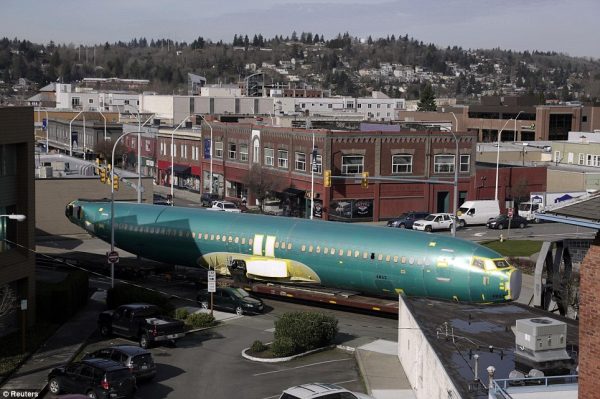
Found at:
<point>541,339</point>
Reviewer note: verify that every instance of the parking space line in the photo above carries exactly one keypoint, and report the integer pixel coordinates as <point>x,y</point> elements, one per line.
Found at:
<point>300,367</point>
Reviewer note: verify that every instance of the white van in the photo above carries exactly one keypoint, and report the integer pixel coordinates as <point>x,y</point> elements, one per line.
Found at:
<point>477,212</point>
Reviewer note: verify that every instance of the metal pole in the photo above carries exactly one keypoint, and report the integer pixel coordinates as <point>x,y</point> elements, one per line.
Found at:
<point>172,157</point>
<point>71,134</point>
<point>139,158</point>
<point>312,178</point>
<point>84,139</point>
<point>515,134</point>
<point>498,158</point>
<point>455,183</point>
<point>104,123</point>
<point>47,129</point>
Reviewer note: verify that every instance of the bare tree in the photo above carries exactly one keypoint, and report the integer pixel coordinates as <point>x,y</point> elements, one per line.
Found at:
<point>104,150</point>
<point>7,300</point>
<point>261,184</point>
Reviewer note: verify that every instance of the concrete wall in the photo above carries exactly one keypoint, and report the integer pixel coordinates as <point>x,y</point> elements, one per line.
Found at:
<point>562,180</point>
<point>161,105</point>
<point>589,323</point>
<point>53,195</point>
<point>424,370</point>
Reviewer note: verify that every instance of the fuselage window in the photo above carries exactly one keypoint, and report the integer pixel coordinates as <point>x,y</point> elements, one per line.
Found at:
<point>395,259</point>
<point>310,248</point>
<point>403,259</point>
<point>387,258</point>
<point>250,241</point>
<point>380,257</point>
<point>230,239</point>
<point>276,244</point>
<point>206,236</point>
<point>411,260</point>
<point>193,234</point>
<point>420,261</point>
<point>224,238</point>
<point>365,255</point>
<point>326,250</point>
<point>303,249</point>
<point>349,253</point>
<point>479,263</point>
<point>318,249</point>
<point>237,239</point>
<point>356,254</point>
<point>212,237</point>
<point>341,252</point>
<point>243,240</point>
<point>372,255</point>
<point>283,245</point>
<point>218,237</point>
<point>289,245</point>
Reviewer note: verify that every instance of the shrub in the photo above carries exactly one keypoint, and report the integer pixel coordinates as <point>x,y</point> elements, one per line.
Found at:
<point>258,346</point>
<point>123,294</point>
<point>284,346</point>
<point>200,320</point>
<point>308,330</point>
<point>181,314</point>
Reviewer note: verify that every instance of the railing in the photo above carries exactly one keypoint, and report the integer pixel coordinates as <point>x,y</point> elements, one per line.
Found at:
<point>501,385</point>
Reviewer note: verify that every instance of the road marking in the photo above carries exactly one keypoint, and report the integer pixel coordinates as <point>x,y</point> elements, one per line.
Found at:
<point>300,367</point>
<point>479,234</point>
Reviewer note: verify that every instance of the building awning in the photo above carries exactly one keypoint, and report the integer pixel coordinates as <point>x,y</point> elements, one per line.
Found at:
<point>180,170</point>
<point>294,191</point>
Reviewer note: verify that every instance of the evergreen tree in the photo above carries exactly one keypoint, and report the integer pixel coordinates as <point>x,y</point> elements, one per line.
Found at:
<point>427,99</point>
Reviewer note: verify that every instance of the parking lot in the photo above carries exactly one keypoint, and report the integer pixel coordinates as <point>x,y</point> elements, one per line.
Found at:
<point>209,363</point>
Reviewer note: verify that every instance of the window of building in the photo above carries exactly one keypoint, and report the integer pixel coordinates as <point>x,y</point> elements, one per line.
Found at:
<point>581,158</point>
<point>282,159</point>
<point>147,144</point>
<point>557,157</point>
<point>174,149</point>
<point>218,149</point>
<point>402,163</point>
<point>443,164</point>
<point>244,152</point>
<point>465,163</point>
<point>352,164</point>
<point>300,163</point>
<point>90,101</point>
<point>232,150</point>
<point>184,150</point>
<point>269,156</point>
<point>318,164</point>
<point>195,153</point>
<point>256,151</point>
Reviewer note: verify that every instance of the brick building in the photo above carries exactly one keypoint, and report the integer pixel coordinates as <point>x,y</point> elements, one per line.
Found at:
<point>17,195</point>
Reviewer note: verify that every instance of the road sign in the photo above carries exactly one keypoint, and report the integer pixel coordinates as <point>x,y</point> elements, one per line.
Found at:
<point>212,276</point>
<point>113,257</point>
<point>510,212</point>
<point>212,286</point>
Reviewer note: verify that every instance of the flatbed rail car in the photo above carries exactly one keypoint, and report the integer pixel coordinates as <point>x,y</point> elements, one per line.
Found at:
<point>320,295</point>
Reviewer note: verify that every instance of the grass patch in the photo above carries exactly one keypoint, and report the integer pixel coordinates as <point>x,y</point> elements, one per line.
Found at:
<point>11,354</point>
<point>515,247</point>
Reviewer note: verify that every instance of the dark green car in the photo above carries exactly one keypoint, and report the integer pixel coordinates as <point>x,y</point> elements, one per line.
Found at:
<point>234,299</point>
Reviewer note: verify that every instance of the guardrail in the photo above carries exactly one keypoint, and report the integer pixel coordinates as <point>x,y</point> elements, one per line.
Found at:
<point>500,386</point>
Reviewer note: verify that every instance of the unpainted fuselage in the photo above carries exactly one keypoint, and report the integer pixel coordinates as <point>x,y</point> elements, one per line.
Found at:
<point>368,259</point>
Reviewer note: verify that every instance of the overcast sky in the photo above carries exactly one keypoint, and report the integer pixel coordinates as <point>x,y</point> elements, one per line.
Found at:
<point>568,26</point>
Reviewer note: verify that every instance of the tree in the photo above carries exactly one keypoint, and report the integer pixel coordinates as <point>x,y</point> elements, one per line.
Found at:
<point>259,184</point>
<point>104,150</point>
<point>427,99</point>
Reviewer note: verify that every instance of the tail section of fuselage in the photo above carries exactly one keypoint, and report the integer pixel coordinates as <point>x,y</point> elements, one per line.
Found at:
<point>373,260</point>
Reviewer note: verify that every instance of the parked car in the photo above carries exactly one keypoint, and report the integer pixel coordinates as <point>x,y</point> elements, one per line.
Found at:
<point>406,220</point>
<point>325,391</point>
<point>141,321</point>
<point>137,359</point>
<point>501,222</point>
<point>96,378</point>
<point>477,212</point>
<point>272,207</point>
<point>224,206</point>
<point>206,199</point>
<point>435,221</point>
<point>235,299</point>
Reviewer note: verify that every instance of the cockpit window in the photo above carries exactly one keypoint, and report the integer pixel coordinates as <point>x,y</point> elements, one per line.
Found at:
<point>501,263</point>
<point>479,263</point>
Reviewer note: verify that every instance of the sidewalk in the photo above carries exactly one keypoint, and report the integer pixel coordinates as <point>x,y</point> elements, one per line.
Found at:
<point>61,348</point>
<point>177,193</point>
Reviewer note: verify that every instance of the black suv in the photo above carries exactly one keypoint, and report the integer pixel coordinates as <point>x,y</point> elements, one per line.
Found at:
<point>235,299</point>
<point>206,199</point>
<point>138,360</point>
<point>406,220</point>
<point>96,378</point>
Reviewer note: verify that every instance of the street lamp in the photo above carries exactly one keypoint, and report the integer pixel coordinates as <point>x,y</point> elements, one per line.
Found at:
<point>515,134</point>
<point>172,156</point>
<point>312,176</point>
<point>455,194</point>
<point>12,216</point>
<point>210,154</point>
<point>498,158</point>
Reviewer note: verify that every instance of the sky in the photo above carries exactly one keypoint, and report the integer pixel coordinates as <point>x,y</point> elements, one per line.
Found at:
<point>565,26</point>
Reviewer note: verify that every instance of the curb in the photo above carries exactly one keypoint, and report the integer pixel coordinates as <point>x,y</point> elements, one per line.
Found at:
<point>282,359</point>
<point>361,369</point>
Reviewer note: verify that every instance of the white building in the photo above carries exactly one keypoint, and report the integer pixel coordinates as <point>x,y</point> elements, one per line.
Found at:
<point>91,100</point>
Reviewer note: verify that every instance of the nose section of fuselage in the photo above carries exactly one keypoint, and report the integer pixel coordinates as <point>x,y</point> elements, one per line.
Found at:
<point>515,281</point>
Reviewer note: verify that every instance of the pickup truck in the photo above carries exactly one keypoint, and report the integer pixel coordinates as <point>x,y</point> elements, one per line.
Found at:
<point>224,206</point>
<point>142,322</point>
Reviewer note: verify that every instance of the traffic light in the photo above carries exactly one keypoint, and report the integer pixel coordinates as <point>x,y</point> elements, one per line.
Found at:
<point>364,183</point>
<point>327,178</point>
<point>107,174</point>
<point>97,166</point>
<point>102,175</point>
<point>115,182</point>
